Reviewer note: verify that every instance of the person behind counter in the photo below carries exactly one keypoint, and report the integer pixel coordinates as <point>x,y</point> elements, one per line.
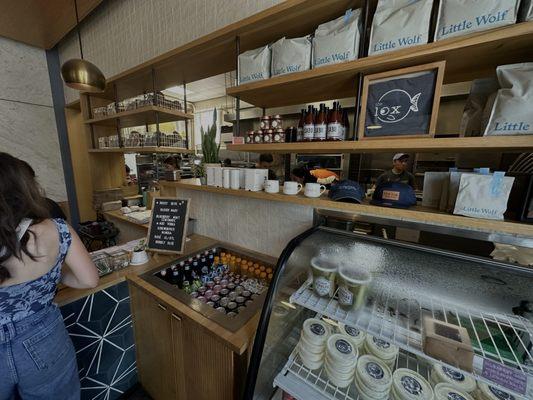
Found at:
<point>37,358</point>
<point>265,162</point>
<point>399,172</point>
<point>171,163</point>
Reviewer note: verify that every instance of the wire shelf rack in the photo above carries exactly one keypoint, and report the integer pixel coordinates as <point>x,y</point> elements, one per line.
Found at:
<point>505,339</point>
<point>317,385</point>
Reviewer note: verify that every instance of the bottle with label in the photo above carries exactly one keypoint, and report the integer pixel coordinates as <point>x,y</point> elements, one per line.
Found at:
<point>309,125</point>
<point>321,124</point>
<point>300,129</point>
<point>345,124</point>
<point>334,124</point>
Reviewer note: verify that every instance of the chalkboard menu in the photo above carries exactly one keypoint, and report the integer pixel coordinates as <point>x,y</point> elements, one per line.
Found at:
<point>168,226</point>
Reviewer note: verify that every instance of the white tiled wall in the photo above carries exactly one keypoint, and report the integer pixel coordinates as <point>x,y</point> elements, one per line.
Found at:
<point>263,226</point>
<point>121,34</point>
<point>27,123</point>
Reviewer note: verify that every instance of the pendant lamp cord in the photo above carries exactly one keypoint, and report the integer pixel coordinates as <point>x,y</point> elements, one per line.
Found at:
<point>78,27</point>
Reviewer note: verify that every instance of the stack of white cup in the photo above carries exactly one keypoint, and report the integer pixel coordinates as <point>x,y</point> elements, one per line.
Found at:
<point>312,344</point>
<point>487,392</point>
<point>341,359</point>
<point>385,351</point>
<point>453,377</point>
<point>357,336</point>
<point>410,385</point>
<point>445,391</point>
<point>373,378</point>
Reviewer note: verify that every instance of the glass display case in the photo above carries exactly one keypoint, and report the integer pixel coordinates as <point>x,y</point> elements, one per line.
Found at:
<point>350,316</point>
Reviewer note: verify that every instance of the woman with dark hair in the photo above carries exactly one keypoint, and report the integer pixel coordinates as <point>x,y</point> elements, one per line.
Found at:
<point>37,359</point>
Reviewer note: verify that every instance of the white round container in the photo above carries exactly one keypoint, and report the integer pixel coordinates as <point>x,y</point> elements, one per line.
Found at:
<point>341,376</point>
<point>334,379</point>
<point>312,357</point>
<point>357,336</point>
<point>374,375</point>
<point>366,393</point>
<point>409,385</point>
<point>316,331</point>
<point>454,377</point>
<point>445,391</point>
<point>310,347</point>
<point>313,365</point>
<point>486,392</point>
<point>340,350</point>
<point>381,349</point>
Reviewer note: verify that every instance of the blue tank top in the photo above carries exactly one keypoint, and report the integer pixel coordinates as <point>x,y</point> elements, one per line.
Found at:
<point>24,299</point>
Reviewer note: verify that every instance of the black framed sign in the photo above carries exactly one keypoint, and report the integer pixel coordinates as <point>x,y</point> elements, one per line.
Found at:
<point>168,226</point>
<point>401,103</point>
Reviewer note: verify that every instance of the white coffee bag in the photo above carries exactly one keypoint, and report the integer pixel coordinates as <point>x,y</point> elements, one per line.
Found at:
<point>526,11</point>
<point>398,24</point>
<point>483,196</point>
<point>254,65</point>
<point>461,17</point>
<point>338,40</point>
<point>512,112</point>
<point>291,55</point>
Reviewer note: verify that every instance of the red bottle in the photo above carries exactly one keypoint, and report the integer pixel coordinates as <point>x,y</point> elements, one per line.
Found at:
<point>335,131</point>
<point>309,125</point>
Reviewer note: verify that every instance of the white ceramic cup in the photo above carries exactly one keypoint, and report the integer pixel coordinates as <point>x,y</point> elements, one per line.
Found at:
<point>210,172</point>
<point>314,189</point>
<point>271,186</point>
<point>292,187</point>
<point>226,183</point>
<point>218,177</point>
<point>235,180</point>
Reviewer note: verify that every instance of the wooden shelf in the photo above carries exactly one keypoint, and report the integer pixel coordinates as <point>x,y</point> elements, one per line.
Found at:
<point>140,116</point>
<point>150,149</point>
<point>467,57</point>
<point>485,143</point>
<point>418,214</point>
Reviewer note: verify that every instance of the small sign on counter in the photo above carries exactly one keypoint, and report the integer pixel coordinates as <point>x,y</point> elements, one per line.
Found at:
<point>168,227</point>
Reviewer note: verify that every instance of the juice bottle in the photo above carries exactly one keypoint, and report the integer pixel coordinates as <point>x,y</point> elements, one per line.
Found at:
<point>334,124</point>
<point>320,124</point>
<point>309,125</point>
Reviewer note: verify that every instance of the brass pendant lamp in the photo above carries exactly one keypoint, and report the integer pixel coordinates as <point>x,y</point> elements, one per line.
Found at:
<point>80,74</point>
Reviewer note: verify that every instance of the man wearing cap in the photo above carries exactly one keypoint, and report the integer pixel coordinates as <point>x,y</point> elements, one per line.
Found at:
<point>399,172</point>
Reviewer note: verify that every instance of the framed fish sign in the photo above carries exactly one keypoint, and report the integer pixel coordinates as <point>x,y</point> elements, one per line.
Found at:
<point>401,103</point>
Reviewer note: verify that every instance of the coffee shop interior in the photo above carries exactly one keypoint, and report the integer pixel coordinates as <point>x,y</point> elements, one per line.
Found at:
<point>299,199</point>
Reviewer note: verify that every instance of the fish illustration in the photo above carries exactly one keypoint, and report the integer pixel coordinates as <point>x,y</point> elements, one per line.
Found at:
<point>396,104</point>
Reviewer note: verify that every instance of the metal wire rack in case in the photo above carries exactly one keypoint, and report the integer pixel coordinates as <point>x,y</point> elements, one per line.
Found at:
<point>505,339</point>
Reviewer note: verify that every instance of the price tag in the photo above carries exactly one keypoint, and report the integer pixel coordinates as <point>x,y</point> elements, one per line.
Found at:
<point>504,376</point>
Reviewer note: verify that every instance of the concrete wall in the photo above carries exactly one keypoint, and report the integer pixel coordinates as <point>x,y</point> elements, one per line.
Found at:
<point>27,122</point>
<point>121,34</point>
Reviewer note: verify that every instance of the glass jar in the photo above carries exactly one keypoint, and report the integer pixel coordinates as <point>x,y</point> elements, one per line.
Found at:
<point>249,137</point>
<point>279,136</point>
<point>268,135</point>
<point>276,122</point>
<point>265,123</point>
<point>258,137</point>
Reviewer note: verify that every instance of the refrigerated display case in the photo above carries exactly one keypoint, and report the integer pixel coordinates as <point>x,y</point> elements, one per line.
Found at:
<point>409,285</point>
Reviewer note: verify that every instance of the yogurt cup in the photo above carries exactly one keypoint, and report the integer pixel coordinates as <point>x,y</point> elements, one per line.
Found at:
<point>374,376</point>
<point>454,377</point>
<point>487,392</point>
<point>409,385</point>
<point>338,376</point>
<point>445,391</point>
<point>357,336</point>
<point>323,272</point>
<point>341,351</point>
<point>352,284</point>
<point>316,331</point>
<point>381,349</point>
<point>312,365</point>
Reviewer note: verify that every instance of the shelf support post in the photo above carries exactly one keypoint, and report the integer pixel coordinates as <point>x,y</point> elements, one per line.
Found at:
<point>238,99</point>
<point>119,134</point>
<point>186,119</point>
<point>157,135</point>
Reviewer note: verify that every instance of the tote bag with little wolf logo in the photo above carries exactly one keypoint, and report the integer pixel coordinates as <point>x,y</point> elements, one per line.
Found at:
<point>512,112</point>
<point>338,40</point>
<point>483,196</point>
<point>254,65</point>
<point>291,55</point>
<point>461,17</point>
<point>399,24</point>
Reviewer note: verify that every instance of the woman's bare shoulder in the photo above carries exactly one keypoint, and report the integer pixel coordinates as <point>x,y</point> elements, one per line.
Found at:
<point>46,236</point>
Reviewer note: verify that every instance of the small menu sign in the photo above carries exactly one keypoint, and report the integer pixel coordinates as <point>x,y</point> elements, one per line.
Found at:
<point>168,226</point>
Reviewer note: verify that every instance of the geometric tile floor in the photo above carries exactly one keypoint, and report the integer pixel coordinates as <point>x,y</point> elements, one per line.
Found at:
<point>101,329</point>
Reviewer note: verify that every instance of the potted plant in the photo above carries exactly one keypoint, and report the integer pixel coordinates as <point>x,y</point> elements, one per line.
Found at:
<point>210,151</point>
<point>139,255</point>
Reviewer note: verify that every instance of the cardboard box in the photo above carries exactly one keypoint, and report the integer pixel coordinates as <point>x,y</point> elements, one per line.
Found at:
<point>447,342</point>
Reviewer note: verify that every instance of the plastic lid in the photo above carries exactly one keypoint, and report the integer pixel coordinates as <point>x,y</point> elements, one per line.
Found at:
<point>493,393</point>
<point>409,385</point>
<point>341,350</point>
<point>374,373</point>
<point>380,348</point>
<point>322,264</point>
<point>354,274</point>
<point>356,335</point>
<point>445,391</point>
<point>316,331</point>
<point>456,378</point>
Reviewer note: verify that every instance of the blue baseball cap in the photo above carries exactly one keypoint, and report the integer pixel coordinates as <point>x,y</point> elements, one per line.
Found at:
<point>346,190</point>
<point>394,194</point>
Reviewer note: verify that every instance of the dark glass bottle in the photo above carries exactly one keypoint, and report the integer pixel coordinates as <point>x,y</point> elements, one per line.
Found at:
<point>309,125</point>
<point>320,124</point>
<point>345,124</point>
<point>335,124</point>
<point>300,129</point>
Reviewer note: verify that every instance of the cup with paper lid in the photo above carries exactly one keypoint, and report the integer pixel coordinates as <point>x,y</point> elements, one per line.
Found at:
<point>445,391</point>
<point>454,377</point>
<point>410,385</point>
<point>353,283</point>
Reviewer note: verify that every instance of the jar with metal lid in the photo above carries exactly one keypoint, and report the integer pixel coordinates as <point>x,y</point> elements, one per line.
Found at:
<point>279,136</point>
<point>268,136</point>
<point>249,137</point>
<point>265,123</point>
<point>258,137</point>
<point>276,121</point>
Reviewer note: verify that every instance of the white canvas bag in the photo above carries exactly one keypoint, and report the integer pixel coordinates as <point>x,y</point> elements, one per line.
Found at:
<point>291,55</point>
<point>338,40</point>
<point>399,24</point>
<point>254,65</point>
<point>512,112</point>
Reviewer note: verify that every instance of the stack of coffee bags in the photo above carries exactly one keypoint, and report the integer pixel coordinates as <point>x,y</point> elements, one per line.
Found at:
<point>410,385</point>
<point>373,378</point>
<point>381,349</point>
<point>486,392</point>
<point>341,359</point>
<point>455,378</point>
<point>357,336</point>
<point>312,344</point>
<point>445,391</point>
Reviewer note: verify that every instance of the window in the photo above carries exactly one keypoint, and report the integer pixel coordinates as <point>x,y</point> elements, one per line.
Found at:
<point>204,119</point>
